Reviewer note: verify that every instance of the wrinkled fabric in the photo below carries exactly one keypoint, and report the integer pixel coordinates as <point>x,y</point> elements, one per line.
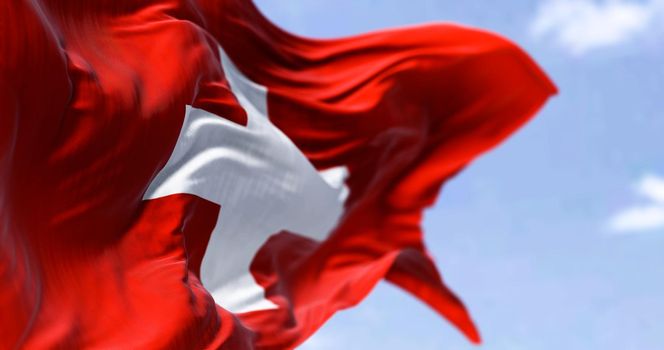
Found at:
<point>404,110</point>
<point>94,97</point>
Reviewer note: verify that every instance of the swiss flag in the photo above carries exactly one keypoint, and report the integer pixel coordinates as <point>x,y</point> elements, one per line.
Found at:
<point>185,175</point>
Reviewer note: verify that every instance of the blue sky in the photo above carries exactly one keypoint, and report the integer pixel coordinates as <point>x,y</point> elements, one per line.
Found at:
<point>555,240</point>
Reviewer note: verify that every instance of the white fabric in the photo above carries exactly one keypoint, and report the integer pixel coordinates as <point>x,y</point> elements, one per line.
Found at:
<point>262,182</point>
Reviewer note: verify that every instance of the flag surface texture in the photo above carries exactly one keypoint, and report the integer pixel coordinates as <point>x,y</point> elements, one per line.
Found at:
<point>183,174</point>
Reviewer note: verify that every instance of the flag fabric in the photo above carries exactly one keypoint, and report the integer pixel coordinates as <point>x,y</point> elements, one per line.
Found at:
<point>186,175</point>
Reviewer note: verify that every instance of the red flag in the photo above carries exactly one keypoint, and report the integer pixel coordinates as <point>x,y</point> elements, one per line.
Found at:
<point>187,175</point>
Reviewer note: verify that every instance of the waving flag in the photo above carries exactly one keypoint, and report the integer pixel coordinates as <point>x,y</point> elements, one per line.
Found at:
<point>186,175</point>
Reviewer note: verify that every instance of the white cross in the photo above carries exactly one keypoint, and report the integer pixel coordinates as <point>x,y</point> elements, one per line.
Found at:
<point>261,180</point>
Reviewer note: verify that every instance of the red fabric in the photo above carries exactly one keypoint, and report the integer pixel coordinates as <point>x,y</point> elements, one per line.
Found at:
<point>94,95</point>
<point>404,110</point>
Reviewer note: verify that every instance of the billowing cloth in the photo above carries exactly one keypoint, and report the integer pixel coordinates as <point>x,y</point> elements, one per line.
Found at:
<point>185,175</point>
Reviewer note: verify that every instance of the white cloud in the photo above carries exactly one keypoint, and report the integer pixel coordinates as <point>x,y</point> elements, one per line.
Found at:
<point>580,26</point>
<point>652,187</point>
<point>643,217</point>
<point>638,219</point>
